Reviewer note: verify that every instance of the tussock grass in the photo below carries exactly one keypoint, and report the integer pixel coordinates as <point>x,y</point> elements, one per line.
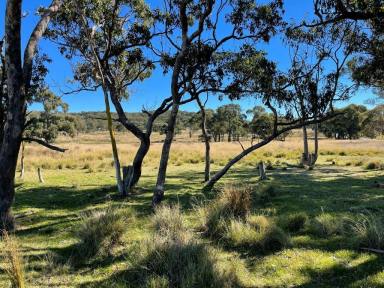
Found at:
<point>233,202</point>
<point>295,222</point>
<point>368,230</point>
<point>261,234</point>
<point>100,231</point>
<point>14,266</point>
<point>325,225</point>
<point>172,257</point>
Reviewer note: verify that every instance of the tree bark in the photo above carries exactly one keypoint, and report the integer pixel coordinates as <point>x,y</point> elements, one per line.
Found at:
<point>207,170</point>
<point>158,193</point>
<point>22,168</point>
<point>263,175</point>
<point>18,82</point>
<point>305,147</point>
<point>14,123</point>
<point>115,152</point>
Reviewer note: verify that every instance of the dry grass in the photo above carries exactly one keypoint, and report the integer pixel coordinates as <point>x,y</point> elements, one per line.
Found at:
<point>13,261</point>
<point>92,152</point>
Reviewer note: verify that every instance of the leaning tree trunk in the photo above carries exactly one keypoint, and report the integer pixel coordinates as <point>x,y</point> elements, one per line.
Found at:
<point>158,194</point>
<point>115,153</point>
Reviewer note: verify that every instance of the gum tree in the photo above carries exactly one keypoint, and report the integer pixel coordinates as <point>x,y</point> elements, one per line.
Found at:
<point>196,47</point>
<point>18,69</point>
<point>319,77</point>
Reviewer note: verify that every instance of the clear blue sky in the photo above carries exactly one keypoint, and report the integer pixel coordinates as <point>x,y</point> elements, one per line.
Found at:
<point>150,92</point>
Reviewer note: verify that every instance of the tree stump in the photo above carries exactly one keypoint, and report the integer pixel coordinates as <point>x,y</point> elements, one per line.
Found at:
<point>40,174</point>
<point>263,175</point>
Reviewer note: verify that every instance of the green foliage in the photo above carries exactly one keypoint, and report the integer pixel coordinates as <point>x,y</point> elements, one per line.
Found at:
<point>348,125</point>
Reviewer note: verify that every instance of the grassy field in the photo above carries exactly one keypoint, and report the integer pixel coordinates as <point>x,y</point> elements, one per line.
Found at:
<point>49,215</point>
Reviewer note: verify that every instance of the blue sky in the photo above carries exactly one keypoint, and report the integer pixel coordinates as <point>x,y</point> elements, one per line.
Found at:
<point>150,92</point>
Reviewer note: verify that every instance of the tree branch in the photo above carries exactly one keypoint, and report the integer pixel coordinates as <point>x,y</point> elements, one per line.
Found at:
<point>44,143</point>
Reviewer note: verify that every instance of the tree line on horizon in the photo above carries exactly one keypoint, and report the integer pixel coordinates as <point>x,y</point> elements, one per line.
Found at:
<point>209,48</point>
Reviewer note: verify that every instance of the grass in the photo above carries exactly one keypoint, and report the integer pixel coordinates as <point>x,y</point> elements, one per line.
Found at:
<point>14,266</point>
<point>49,215</point>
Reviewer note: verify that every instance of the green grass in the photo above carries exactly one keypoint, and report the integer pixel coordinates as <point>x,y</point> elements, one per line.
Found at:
<point>49,215</point>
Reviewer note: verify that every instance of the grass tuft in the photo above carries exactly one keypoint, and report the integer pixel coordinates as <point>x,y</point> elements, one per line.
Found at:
<point>368,230</point>
<point>295,222</point>
<point>99,232</point>
<point>14,267</point>
<point>325,225</point>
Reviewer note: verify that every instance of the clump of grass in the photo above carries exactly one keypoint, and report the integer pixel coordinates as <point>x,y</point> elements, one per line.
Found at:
<point>373,165</point>
<point>168,221</point>
<point>172,257</point>
<point>342,153</point>
<point>295,222</point>
<point>368,231</point>
<point>261,234</point>
<point>325,225</point>
<point>14,267</point>
<point>232,202</point>
<point>100,231</point>
<point>266,193</point>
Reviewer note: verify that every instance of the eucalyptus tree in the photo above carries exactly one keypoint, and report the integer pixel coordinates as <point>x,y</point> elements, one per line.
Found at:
<point>200,36</point>
<point>110,40</point>
<point>366,66</point>
<point>278,90</point>
<point>18,68</point>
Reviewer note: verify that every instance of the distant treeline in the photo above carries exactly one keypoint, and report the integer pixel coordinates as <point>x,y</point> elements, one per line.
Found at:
<point>226,123</point>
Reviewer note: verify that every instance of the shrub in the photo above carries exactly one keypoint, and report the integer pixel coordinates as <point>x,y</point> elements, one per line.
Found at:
<point>295,222</point>
<point>100,231</point>
<point>13,261</point>
<point>342,153</point>
<point>368,231</point>
<point>326,225</point>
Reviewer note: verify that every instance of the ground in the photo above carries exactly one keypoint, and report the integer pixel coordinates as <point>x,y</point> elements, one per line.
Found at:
<point>48,214</point>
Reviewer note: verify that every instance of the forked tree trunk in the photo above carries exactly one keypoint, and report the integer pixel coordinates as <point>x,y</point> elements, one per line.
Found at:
<point>158,194</point>
<point>22,168</point>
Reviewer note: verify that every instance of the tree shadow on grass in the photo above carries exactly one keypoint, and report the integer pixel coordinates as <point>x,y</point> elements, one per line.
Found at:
<point>342,275</point>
